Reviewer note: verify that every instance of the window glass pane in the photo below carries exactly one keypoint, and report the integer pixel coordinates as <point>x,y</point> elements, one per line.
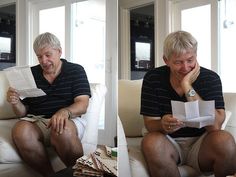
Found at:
<point>5,45</point>
<point>142,55</point>
<point>47,23</point>
<point>88,41</point>
<point>197,21</point>
<point>227,44</point>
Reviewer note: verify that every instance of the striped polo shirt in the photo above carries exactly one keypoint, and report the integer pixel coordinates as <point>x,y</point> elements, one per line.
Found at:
<point>157,94</point>
<point>70,83</point>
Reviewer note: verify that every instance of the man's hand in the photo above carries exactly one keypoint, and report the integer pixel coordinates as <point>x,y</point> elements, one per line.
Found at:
<point>13,96</point>
<point>191,76</point>
<point>170,124</point>
<point>59,121</point>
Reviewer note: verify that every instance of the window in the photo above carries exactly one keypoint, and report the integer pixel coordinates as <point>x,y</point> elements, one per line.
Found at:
<point>197,21</point>
<point>88,42</point>
<point>227,28</point>
<point>47,16</point>
<point>5,44</point>
<point>143,59</point>
<point>6,52</point>
<point>196,17</point>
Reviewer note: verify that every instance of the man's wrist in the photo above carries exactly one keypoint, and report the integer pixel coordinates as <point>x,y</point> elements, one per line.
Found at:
<point>69,113</point>
<point>190,93</point>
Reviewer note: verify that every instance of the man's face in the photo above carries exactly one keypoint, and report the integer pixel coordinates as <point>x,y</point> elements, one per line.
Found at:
<point>182,64</point>
<point>49,59</point>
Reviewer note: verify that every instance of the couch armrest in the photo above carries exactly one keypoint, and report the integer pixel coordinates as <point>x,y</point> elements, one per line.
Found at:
<point>227,117</point>
<point>123,157</point>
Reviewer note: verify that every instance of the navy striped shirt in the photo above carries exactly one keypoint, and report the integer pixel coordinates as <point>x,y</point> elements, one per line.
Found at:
<point>70,83</point>
<point>157,94</point>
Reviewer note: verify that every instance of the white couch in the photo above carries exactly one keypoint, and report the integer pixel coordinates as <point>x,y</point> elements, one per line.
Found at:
<point>11,164</point>
<point>130,125</point>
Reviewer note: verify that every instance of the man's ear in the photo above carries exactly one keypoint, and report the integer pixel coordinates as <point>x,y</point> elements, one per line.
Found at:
<point>165,60</point>
<point>60,51</point>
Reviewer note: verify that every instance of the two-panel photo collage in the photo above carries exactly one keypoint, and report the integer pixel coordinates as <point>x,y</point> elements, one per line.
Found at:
<point>117,88</point>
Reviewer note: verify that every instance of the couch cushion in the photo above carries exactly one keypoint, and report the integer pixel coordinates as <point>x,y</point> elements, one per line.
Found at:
<point>8,152</point>
<point>129,97</point>
<point>5,108</point>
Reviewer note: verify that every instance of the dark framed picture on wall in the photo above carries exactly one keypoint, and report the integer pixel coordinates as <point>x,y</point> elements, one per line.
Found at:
<point>142,56</point>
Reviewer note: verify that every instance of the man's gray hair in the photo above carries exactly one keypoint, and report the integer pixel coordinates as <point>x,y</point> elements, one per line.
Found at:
<point>46,40</point>
<point>178,43</point>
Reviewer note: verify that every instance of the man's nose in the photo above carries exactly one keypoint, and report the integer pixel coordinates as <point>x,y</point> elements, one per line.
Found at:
<point>185,66</point>
<point>43,59</point>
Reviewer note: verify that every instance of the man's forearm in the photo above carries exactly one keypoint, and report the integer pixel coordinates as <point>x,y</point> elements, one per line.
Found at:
<point>78,108</point>
<point>219,120</point>
<point>19,109</point>
<point>153,125</point>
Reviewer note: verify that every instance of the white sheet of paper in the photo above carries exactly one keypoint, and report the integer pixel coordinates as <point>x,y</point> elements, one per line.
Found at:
<point>195,113</point>
<point>21,78</point>
<point>178,110</point>
<point>192,110</point>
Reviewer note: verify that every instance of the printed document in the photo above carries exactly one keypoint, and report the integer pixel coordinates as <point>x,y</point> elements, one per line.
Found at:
<point>21,78</point>
<point>196,114</point>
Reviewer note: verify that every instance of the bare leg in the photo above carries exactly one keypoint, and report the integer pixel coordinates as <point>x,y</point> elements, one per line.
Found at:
<point>160,155</point>
<point>28,139</point>
<point>218,154</point>
<point>67,145</point>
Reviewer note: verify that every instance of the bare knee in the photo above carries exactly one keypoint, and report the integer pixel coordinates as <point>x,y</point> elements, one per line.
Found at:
<point>24,131</point>
<point>221,142</point>
<point>216,146</point>
<point>153,141</point>
<point>26,136</point>
<point>63,139</point>
<point>67,145</point>
<point>159,151</point>
<point>157,145</point>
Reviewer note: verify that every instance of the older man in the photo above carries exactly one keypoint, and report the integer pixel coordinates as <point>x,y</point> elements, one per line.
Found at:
<point>67,97</point>
<point>169,142</point>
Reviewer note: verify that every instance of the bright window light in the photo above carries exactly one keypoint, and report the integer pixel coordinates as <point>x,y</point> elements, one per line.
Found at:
<point>88,41</point>
<point>227,44</point>
<point>5,45</point>
<point>47,23</point>
<point>197,21</point>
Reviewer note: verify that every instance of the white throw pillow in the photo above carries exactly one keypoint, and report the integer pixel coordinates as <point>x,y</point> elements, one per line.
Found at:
<point>89,140</point>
